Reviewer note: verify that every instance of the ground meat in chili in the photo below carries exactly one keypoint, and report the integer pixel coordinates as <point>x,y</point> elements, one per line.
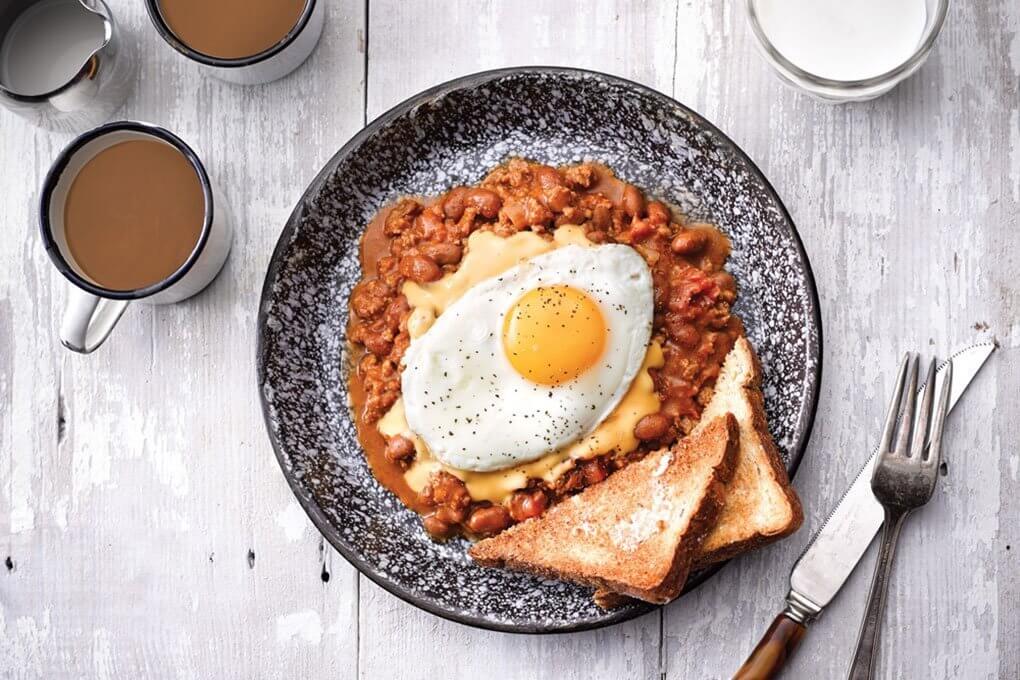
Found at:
<point>424,239</point>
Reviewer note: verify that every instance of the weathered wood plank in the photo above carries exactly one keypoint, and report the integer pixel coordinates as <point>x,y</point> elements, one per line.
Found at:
<point>906,206</point>
<point>152,533</point>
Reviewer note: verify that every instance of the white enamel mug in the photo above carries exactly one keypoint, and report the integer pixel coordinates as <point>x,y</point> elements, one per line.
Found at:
<point>266,66</point>
<point>93,310</point>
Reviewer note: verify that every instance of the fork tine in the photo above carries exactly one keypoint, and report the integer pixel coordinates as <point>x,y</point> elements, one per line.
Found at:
<point>934,455</point>
<point>894,406</point>
<point>924,415</point>
<point>907,419</point>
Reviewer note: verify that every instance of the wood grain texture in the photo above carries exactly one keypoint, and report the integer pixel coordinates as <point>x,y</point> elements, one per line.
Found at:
<point>136,484</point>
<point>150,529</point>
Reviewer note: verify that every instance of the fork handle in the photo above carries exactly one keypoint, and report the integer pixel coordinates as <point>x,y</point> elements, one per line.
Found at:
<point>863,665</point>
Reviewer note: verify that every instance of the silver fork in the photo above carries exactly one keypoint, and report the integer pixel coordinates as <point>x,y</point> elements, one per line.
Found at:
<point>904,479</point>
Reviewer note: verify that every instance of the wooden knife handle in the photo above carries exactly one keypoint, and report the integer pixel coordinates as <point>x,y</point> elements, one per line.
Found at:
<point>774,650</point>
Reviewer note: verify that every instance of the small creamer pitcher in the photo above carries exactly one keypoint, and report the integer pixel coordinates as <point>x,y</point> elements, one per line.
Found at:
<point>62,63</point>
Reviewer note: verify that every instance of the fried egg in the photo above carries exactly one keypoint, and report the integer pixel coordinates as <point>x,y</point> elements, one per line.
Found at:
<point>529,361</point>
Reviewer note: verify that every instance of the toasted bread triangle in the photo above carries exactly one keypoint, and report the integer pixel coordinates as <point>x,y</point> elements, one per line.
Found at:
<point>760,505</point>
<point>637,532</point>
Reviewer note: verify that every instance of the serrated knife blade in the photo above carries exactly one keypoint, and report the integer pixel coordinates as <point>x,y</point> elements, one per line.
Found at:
<point>844,537</point>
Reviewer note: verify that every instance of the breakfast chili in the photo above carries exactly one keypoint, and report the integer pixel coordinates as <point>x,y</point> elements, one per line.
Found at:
<point>423,239</point>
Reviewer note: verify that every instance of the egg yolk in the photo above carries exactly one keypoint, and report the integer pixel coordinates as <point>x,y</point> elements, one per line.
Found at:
<point>553,334</point>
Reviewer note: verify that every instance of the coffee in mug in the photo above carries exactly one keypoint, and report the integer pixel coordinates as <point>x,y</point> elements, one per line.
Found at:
<point>128,213</point>
<point>231,29</point>
<point>247,42</point>
<point>133,214</point>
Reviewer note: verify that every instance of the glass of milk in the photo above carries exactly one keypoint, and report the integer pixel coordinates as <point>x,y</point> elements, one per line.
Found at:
<point>840,50</point>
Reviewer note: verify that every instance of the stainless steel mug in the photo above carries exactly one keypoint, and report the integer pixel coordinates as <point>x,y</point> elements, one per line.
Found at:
<point>266,66</point>
<point>62,62</point>
<point>93,310</point>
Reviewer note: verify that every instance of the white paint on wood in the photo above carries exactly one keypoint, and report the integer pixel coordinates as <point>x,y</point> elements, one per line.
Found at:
<point>293,521</point>
<point>136,516</point>
<point>151,533</point>
<point>304,626</point>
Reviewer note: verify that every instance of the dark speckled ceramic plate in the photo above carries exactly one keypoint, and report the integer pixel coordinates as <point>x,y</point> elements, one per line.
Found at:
<point>453,134</point>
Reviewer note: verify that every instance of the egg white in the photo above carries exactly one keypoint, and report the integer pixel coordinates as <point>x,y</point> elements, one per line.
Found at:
<point>475,412</point>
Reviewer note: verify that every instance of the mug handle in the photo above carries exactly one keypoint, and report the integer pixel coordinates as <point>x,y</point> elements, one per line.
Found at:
<point>88,320</point>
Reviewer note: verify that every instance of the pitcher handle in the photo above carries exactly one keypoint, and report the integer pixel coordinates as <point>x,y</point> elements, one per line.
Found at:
<point>88,320</point>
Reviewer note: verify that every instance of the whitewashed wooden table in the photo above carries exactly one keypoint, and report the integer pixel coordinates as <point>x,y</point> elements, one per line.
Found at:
<point>146,529</point>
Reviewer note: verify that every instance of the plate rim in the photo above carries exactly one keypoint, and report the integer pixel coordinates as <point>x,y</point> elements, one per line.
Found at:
<point>324,526</point>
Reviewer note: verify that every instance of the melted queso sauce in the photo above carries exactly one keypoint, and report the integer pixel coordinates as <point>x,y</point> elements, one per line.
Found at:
<point>416,241</point>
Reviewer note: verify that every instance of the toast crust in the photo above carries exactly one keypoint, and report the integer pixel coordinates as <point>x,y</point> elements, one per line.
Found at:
<point>606,537</point>
<point>607,599</point>
<point>759,475</point>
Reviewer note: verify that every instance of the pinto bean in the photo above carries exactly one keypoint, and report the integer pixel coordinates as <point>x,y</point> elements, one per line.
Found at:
<point>485,201</point>
<point>437,528</point>
<point>602,217</point>
<point>453,204</point>
<point>594,471</point>
<point>443,253</point>
<point>658,214</point>
<point>548,177</point>
<point>640,230</point>
<point>420,268</point>
<point>487,520</point>
<point>652,426</point>
<point>399,449</point>
<point>689,242</point>
<point>633,202</point>
<point>527,504</point>
<point>451,514</point>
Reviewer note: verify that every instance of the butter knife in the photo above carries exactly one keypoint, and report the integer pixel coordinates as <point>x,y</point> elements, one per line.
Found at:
<point>835,550</point>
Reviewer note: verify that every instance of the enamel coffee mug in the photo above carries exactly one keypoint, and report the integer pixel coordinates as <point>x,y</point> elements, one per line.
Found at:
<point>94,309</point>
<point>62,62</point>
<point>265,62</point>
